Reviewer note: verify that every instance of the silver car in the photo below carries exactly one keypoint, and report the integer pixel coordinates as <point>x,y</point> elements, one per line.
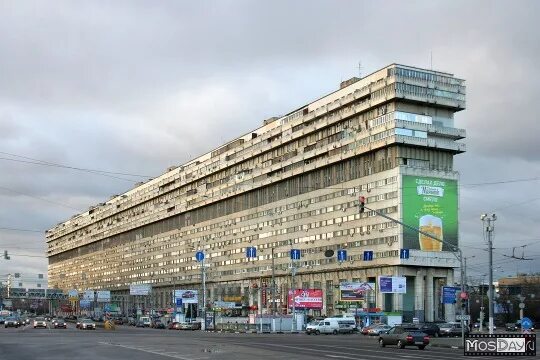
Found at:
<point>87,324</point>
<point>40,322</point>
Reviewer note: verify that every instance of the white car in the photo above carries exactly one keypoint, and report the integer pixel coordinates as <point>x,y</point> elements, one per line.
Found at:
<point>40,322</point>
<point>87,324</point>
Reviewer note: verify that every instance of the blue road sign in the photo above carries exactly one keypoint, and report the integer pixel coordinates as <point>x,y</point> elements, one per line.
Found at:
<point>251,252</point>
<point>449,294</point>
<point>526,323</point>
<point>178,301</point>
<point>368,255</point>
<point>199,256</point>
<point>342,255</point>
<point>404,253</point>
<point>295,254</point>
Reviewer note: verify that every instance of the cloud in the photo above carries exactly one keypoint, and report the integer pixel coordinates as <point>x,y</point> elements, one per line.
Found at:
<point>135,87</point>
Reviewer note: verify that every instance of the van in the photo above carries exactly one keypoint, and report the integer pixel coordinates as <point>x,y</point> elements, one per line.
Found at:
<point>146,321</point>
<point>328,326</point>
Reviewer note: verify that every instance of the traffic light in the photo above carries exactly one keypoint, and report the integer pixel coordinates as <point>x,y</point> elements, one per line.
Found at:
<point>362,201</point>
<point>464,303</point>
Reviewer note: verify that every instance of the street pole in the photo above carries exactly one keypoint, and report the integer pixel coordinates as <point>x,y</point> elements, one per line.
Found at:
<point>293,273</point>
<point>457,250</point>
<point>203,272</point>
<point>489,230</point>
<point>273,286</point>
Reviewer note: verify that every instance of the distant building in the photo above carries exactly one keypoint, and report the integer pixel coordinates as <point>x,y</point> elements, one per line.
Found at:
<point>294,183</point>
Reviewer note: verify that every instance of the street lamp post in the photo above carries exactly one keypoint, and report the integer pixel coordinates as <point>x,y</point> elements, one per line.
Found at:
<point>200,258</point>
<point>489,230</point>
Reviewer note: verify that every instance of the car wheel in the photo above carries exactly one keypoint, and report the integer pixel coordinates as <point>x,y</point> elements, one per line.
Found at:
<point>317,332</point>
<point>334,332</point>
<point>400,344</point>
<point>308,333</point>
<point>381,343</point>
<point>421,347</point>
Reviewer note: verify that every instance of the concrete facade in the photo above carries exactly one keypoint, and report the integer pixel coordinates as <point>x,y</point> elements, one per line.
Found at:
<point>292,183</point>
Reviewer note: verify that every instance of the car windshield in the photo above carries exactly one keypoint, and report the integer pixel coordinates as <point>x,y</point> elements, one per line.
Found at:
<point>40,319</point>
<point>87,321</point>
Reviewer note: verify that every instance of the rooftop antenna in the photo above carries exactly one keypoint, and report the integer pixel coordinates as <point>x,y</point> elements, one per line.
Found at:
<point>431,59</point>
<point>360,69</point>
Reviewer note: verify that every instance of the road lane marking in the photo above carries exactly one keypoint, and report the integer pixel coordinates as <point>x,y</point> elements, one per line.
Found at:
<point>359,351</point>
<point>423,354</point>
<point>152,351</point>
<point>341,357</point>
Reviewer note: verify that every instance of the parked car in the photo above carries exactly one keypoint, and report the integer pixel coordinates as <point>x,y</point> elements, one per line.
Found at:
<point>452,329</point>
<point>87,324</point>
<point>40,322</point>
<point>190,326</point>
<point>403,336</point>
<point>377,330</point>
<point>146,321</point>
<point>2,319</point>
<point>174,325</point>
<point>59,323</point>
<point>11,322</point>
<point>139,324</point>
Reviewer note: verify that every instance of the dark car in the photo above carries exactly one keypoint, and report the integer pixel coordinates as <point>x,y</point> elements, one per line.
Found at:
<point>452,329</point>
<point>431,329</point>
<point>59,323</point>
<point>174,325</point>
<point>511,327</point>
<point>11,322</point>
<point>404,336</point>
<point>139,324</point>
<point>157,324</point>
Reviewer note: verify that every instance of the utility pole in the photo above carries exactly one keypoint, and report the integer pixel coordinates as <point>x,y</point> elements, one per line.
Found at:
<point>203,273</point>
<point>456,249</point>
<point>490,220</point>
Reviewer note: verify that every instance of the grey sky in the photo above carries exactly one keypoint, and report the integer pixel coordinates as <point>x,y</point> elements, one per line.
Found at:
<point>137,86</point>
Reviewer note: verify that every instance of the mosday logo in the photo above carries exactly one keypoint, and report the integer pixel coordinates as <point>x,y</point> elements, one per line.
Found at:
<point>500,344</point>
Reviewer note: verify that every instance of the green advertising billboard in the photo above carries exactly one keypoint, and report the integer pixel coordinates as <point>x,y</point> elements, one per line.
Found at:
<point>431,205</point>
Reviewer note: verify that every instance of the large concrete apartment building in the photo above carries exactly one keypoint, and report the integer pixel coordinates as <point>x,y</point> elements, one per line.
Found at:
<point>293,183</point>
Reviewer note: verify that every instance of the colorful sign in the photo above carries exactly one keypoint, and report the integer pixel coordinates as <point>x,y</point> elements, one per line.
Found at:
<point>430,205</point>
<point>187,296</point>
<point>355,291</point>
<point>140,289</point>
<point>73,295</point>
<point>85,304</point>
<point>392,284</point>
<point>306,299</point>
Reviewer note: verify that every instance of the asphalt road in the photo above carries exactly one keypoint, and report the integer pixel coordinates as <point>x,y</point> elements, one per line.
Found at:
<point>150,344</point>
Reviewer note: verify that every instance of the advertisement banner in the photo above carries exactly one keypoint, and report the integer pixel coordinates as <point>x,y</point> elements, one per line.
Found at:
<point>392,284</point>
<point>187,296</point>
<point>355,291</point>
<point>306,299</point>
<point>85,304</point>
<point>449,294</point>
<point>104,296</point>
<point>88,295</point>
<point>431,205</point>
<point>140,289</point>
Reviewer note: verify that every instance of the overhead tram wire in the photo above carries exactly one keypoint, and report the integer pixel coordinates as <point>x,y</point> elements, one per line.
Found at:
<point>91,171</point>
<point>39,198</point>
